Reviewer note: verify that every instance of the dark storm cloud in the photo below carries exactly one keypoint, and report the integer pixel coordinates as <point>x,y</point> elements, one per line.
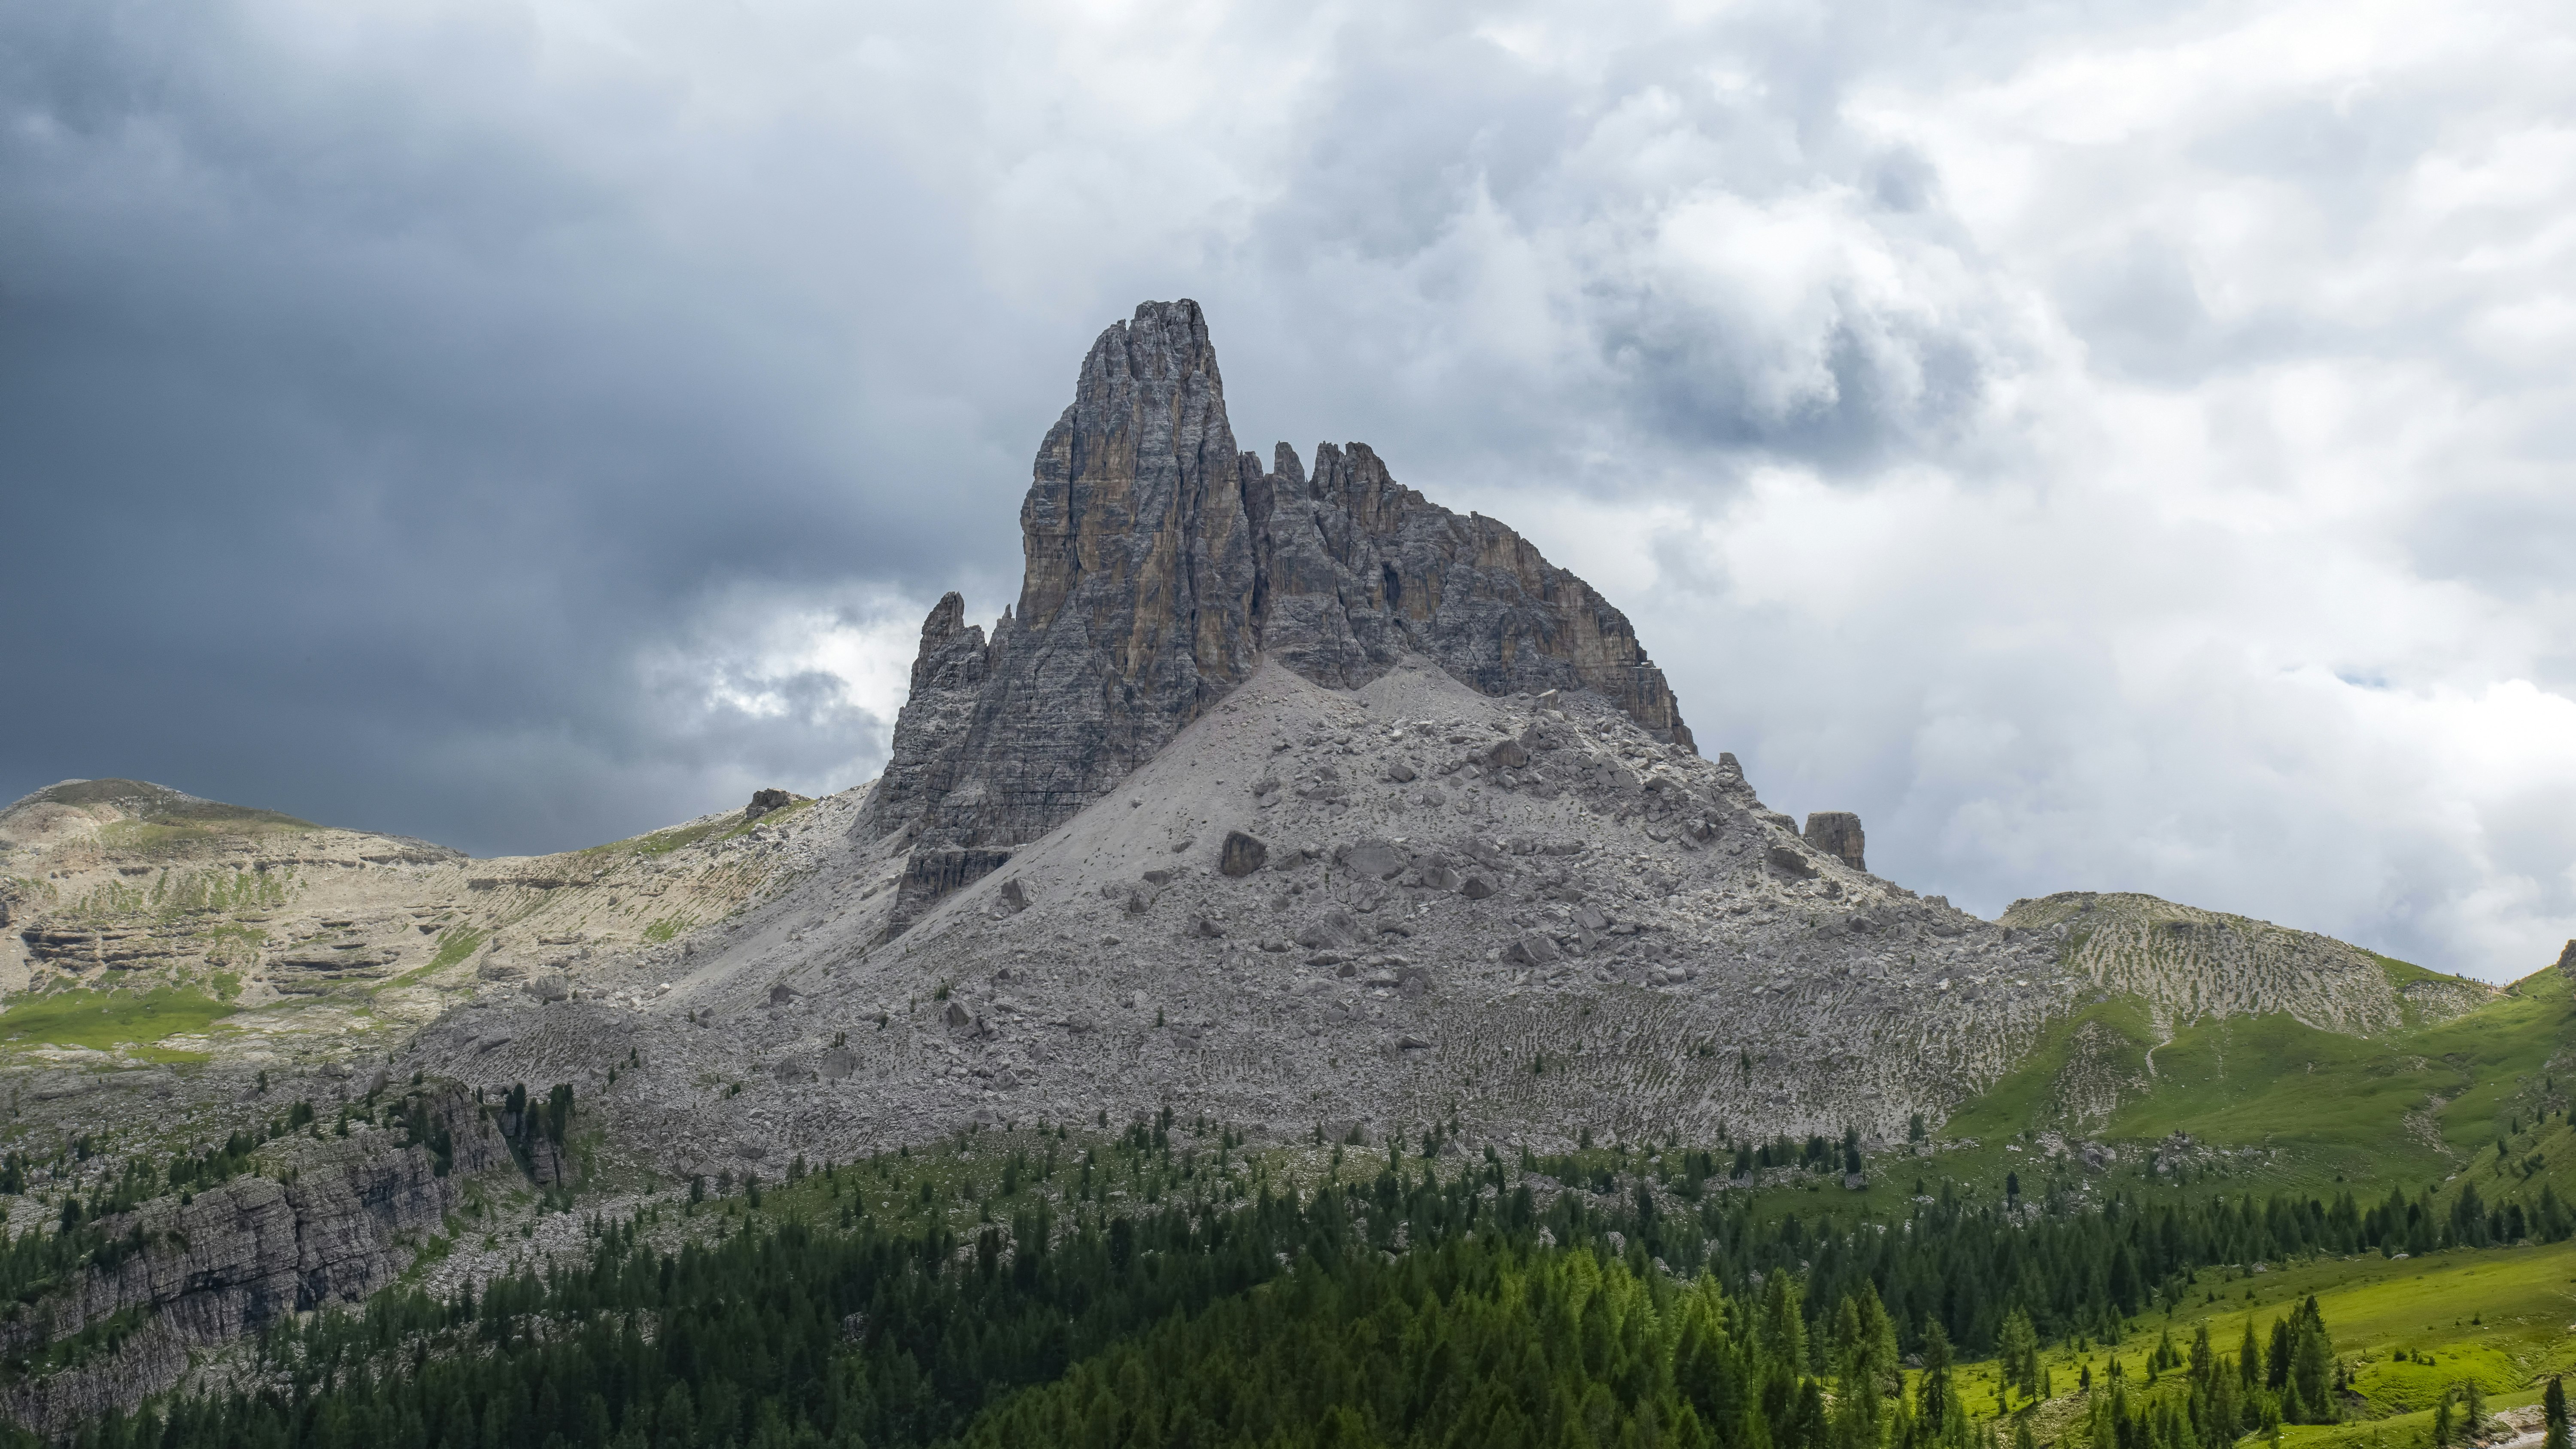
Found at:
<point>358,439</point>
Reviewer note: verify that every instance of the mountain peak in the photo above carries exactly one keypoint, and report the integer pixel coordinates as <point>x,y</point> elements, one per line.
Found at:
<point>1162,565</point>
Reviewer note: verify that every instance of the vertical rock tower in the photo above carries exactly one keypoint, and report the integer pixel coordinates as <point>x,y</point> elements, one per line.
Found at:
<point>1162,565</point>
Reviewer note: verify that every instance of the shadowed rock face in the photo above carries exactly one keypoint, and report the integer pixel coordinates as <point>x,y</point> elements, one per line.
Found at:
<point>1161,564</point>
<point>1136,611</point>
<point>1837,833</point>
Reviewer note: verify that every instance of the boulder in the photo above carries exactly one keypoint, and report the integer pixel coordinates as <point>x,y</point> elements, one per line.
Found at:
<point>1241,854</point>
<point>1337,928</point>
<point>1790,861</point>
<point>765,801</point>
<point>1373,859</point>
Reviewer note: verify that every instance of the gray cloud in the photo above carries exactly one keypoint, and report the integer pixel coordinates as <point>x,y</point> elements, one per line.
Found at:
<point>2105,448</point>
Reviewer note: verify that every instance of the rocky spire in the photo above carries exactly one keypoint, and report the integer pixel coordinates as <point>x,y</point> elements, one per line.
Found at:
<point>1162,564</point>
<point>1135,613</point>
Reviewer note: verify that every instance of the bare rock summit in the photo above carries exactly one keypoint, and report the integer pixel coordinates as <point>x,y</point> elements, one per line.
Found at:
<point>1162,565</point>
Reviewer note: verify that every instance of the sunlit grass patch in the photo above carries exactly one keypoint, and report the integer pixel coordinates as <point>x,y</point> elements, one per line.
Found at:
<point>99,1020</point>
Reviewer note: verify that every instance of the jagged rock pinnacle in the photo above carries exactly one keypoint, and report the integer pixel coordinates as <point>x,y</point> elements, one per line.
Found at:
<point>1162,565</point>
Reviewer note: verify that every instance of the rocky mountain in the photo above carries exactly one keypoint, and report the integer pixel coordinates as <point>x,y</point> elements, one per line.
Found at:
<point>1163,566</point>
<point>1288,798</point>
<point>1305,802</point>
<point>312,1224</point>
<point>291,942</point>
<point>1292,797</point>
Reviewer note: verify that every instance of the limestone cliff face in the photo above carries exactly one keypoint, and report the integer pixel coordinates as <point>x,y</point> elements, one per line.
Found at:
<point>1363,570</point>
<point>1136,612</point>
<point>243,1255</point>
<point>1162,564</point>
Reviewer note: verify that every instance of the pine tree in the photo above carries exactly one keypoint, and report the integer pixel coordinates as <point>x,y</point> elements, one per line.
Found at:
<point>1939,1416</point>
<point>2553,1412</point>
<point>1783,1325</point>
<point>2017,1348</point>
<point>1878,1335</point>
<point>2312,1364</point>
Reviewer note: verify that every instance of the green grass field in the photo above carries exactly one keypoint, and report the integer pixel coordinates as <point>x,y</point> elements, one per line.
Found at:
<point>2409,1109</point>
<point>2505,1317</point>
<point>101,1020</point>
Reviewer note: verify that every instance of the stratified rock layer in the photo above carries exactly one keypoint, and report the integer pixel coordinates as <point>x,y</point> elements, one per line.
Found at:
<point>245,1254</point>
<point>1162,565</point>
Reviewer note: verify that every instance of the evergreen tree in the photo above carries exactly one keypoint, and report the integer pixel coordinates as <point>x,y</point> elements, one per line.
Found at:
<point>1878,1339</point>
<point>2553,1411</point>
<point>2017,1347</point>
<point>1939,1417</point>
<point>2311,1366</point>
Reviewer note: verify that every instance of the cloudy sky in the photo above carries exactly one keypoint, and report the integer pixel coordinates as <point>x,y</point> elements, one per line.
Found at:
<point>2108,446</point>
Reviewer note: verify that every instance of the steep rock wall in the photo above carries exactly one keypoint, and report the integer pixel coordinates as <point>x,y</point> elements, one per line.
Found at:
<point>1162,564</point>
<point>244,1254</point>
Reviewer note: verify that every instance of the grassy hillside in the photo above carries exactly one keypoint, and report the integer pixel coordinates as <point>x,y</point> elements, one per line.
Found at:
<point>2268,1103</point>
<point>2409,1330</point>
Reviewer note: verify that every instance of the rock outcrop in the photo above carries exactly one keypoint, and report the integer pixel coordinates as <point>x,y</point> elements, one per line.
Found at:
<point>1162,565</point>
<point>1135,614</point>
<point>2187,964</point>
<point>1837,833</point>
<point>1362,570</point>
<point>242,1255</point>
